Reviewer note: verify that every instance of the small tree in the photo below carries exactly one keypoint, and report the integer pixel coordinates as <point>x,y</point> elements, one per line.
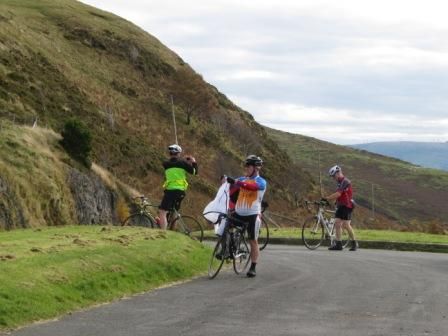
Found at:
<point>77,141</point>
<point>191,93</point>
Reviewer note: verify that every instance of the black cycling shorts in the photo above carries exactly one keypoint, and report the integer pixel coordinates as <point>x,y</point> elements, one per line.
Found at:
<point>172,199</point>
<point>344,213</point>
<point>251,220</point>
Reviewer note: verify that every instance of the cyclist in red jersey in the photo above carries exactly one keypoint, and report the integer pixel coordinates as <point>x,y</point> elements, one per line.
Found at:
<point>344,208</point>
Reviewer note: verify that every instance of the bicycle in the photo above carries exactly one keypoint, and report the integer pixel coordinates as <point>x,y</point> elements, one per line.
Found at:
<point>263,235</point>
<point>232,245</point>
<point>188,225</point>
<point>321,227</point>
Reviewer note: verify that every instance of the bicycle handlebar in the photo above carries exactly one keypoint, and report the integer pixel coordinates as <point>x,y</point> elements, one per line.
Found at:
<point>319,203</point>
<point>143,199</point>
<point>224,215</point>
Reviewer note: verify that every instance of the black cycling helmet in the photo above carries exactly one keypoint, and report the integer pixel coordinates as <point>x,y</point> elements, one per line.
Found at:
<point>253,160</point>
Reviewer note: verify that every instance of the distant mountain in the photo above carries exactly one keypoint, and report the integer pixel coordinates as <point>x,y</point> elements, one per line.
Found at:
<point>425,154</point>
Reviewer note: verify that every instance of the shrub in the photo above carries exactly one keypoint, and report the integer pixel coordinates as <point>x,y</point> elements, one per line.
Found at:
<point>77,141</point>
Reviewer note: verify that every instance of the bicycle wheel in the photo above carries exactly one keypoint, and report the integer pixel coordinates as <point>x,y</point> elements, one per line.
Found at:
<point>345,238</point>
<point>241,256</point>
<point>139,219</point>
<point>263,236</point>
<point>312,233</point>
<point>217,259</point>
<point>189,226</point>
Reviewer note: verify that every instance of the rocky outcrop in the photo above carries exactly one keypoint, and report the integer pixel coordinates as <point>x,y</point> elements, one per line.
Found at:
<point>94,202</point>
<point>11,216</point>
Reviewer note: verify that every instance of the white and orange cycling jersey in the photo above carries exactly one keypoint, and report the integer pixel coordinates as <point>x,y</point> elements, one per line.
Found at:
<point>251,191</point>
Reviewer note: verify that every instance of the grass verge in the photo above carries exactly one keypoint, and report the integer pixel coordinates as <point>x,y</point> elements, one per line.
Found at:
<point>367,235</point>
<point>373,235</point>
<point>47,272</point>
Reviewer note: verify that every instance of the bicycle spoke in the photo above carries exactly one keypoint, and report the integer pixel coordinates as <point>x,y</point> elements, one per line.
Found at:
<point>241,255</point>
<point>312,233</point>
<point>216,260</point>
<point>139,219</point>
<point>190,226</point>
<point>263,237</point>
<point>345,238</point>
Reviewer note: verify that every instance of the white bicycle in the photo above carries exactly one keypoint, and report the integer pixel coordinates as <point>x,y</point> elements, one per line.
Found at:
<point>320,227</point>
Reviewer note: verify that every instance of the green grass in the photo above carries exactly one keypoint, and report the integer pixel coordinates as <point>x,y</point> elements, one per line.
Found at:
<point>374,235</point>
<point>47,272</point>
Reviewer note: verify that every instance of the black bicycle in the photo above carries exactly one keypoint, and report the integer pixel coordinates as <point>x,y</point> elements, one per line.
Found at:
<point>185,224</point>
<point>263,235</point>
<point>232,245</point>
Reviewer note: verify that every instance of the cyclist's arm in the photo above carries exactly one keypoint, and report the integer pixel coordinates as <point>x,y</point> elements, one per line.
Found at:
<point>333,196</point>
<point>189,168</point>
<point>258,184</point>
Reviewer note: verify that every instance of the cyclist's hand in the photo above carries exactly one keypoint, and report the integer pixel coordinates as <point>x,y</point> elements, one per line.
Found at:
<point>324,201</point>
<point>190,159</point>
<point>230,180</point>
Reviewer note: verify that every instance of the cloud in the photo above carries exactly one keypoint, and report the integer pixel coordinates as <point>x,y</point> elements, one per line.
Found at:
<point>346,126</point>
<point>381,65</point>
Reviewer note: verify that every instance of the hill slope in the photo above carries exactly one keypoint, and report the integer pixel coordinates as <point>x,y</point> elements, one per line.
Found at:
<point>425,154</point>
<point>61,59</point>
<point>401,191</point>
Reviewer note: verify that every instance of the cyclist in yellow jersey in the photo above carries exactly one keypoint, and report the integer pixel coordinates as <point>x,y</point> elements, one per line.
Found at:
<point>176,169</point>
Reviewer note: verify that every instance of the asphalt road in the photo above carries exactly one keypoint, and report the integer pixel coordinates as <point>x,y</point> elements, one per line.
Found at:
<point>296,292</point>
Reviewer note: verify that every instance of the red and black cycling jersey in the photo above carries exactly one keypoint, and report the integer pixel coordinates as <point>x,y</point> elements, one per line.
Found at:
<point>345,188</point>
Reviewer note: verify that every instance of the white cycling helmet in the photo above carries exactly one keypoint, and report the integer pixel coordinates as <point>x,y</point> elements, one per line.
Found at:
<point>333,170</point>
<point>174,149</point>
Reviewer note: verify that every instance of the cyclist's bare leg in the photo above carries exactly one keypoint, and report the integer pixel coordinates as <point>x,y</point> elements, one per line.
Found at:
<point>254,250</point>
<point>163,221</point>
<point>346,225</point>
<point>338,228</point>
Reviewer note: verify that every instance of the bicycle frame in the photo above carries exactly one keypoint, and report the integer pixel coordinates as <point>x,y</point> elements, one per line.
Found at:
<point>327,223</point>
<point>144,217</point>
<point>173,217</point>
<point>269,219</point>
<point>321,228</point>
<point>143,206</point>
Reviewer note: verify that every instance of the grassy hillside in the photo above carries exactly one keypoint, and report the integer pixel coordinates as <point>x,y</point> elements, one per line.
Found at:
<point>414,196</point>
<point>425,154</point>
<point>61,59</point>
<point>33,186</point>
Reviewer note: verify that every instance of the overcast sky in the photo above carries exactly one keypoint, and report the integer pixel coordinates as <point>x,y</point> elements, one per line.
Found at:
<point>346,71</point>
